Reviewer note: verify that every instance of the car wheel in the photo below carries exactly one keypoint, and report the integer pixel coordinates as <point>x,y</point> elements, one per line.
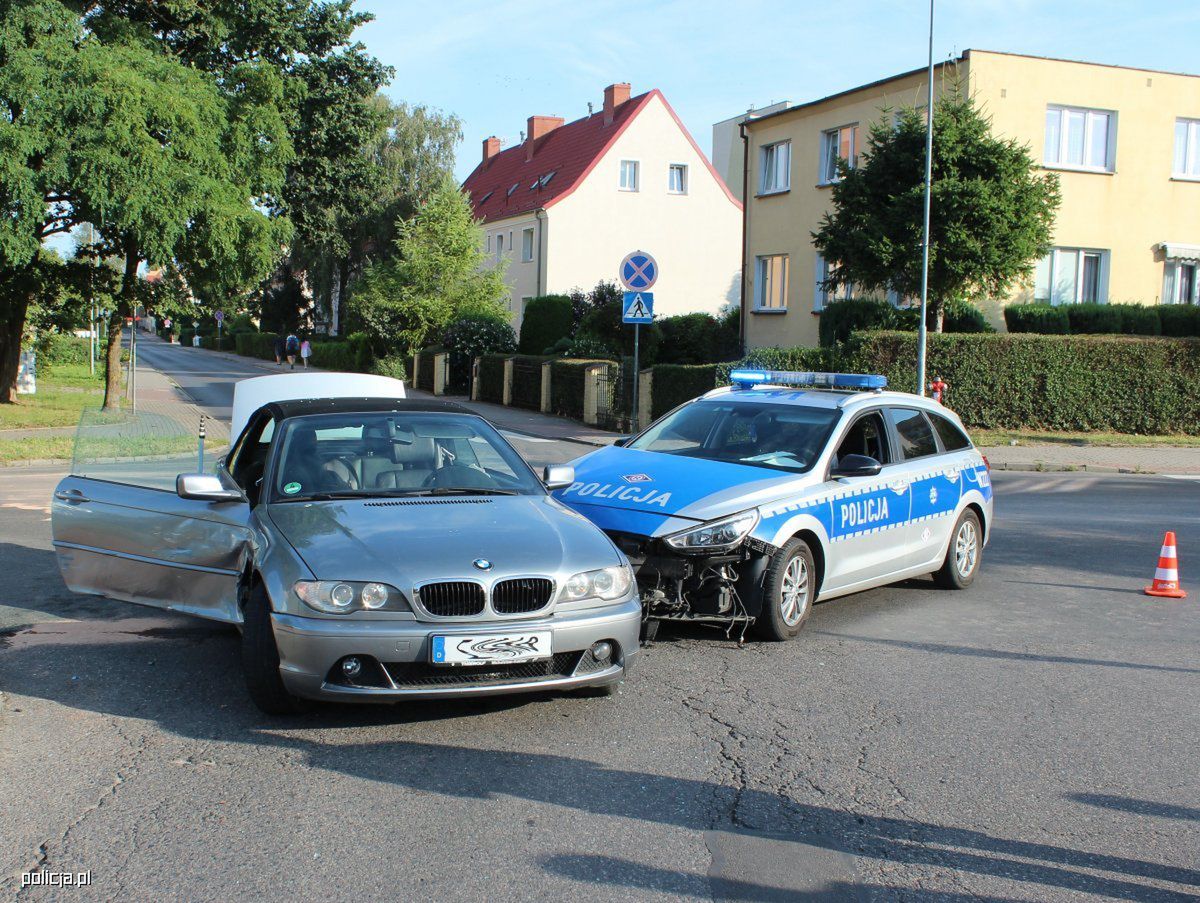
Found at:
<point>260,659</point>
<point>964,555</point>
<point>788,589</point>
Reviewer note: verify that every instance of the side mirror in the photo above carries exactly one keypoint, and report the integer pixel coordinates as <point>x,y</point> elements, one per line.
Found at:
<point>204,487</point>
<point>622,441</point>
<point>558,476</point>
<point>856,466</point>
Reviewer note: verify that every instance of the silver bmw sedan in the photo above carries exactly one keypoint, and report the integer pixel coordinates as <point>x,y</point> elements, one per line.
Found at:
<point>370,550</point>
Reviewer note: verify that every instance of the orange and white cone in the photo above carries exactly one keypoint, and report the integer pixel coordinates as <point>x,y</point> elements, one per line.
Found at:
<point>1166,575</point>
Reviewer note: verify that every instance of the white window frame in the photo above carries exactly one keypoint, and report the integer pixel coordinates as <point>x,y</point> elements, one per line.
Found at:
<point>527,245</point>
<point>823,297</point>
<point>1056,266</point>
<point>635,167</point>
<point>499,244</point>
<point>833,137</point>
<point>1059,161</point>
<point>1186,165</point>
<point>1172,284</point>
<point>763,286</point>
<point>769,168</point>
<point>525,299</point>
<point>683,178</point>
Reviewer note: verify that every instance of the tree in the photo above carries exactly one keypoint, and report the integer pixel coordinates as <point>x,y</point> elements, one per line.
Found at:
<point>992,210</point>
<point>438,273</point>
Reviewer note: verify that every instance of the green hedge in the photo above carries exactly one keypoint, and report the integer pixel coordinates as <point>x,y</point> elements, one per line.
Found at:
<point>351,355</point>
<point>1104,319</point>
<point>56,348</point>
<point>673,384</point>
<point>491,377</point>
<point>1039,318</point>
<point>1093,318</point>
<point>547,319</point>
<point>1179,319</point>
<point>527,380</point>
<point>1117,383</point>
<point>256,344</point>
<point>1138,319</point>
<point>566,386</point>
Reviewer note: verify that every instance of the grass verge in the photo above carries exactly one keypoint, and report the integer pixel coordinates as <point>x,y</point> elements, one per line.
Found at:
<point>1119,440</point>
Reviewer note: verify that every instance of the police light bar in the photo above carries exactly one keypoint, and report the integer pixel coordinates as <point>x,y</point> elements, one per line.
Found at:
<point>748,379</point>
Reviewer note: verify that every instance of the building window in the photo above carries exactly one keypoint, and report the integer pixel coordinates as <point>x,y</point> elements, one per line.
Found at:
<point>499,245</point>
<point>838,144</point>
<point>823,296</point>
<point>1083,139</point>
<point>677,179</point>
<point>1072,276</point>
<point>771,282</point>
<point>489,244</point>
<point>525,299</point>
<point>775,168</point>
<point>1187,149</point>
<point>629,175</point>
<point>1180,282</point>
<point>527,245</point>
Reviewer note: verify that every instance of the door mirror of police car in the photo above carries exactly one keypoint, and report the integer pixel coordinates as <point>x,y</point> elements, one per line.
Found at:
<point>622,441</point>
<point>856,466</point>
<point>204,487</point>
<point>558,476</point>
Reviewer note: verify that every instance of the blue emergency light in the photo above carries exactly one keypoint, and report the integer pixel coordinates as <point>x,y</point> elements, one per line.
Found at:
<point>748,379</point>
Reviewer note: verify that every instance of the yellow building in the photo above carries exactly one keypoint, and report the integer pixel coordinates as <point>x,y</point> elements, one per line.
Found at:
<point>1124,142</point>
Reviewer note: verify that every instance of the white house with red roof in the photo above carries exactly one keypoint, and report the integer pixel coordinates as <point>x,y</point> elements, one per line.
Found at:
<point>568,203</point>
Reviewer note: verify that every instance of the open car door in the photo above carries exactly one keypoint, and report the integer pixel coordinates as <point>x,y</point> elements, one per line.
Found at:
<point>121,530</point>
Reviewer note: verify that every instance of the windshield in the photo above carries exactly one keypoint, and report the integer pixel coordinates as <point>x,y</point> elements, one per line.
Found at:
<point>778,436</point>
<point>351,455</point>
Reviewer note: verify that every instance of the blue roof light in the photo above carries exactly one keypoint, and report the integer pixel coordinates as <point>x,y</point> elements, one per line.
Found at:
<point>747,379</point>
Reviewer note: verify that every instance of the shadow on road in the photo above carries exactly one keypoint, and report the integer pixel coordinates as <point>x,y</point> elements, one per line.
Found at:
<point>1138,807</point>
<point>188,682</point>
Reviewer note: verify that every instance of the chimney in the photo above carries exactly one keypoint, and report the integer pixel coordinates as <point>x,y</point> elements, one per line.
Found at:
<point>614,96</point>
<point>491,147</point>
<point>539,126</point>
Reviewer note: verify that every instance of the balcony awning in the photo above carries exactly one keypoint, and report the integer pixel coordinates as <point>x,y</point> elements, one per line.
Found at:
<point>1173,250</point>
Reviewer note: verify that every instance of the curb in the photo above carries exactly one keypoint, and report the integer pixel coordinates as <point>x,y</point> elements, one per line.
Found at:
<point>1068,468</point>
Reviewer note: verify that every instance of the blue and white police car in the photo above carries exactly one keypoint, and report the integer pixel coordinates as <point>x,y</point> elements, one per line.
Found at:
<point>748,504</point>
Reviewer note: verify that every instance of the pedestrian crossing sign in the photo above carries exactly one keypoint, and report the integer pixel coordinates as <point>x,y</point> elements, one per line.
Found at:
<point>638,307</point>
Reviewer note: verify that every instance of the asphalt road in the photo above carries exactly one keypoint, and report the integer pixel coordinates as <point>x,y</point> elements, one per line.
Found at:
<point>1031,739</point>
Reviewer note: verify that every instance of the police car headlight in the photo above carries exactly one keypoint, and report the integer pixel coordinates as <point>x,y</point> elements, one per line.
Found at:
<point>339,597</point>
<point>608,584</point>
<point>716,535</point>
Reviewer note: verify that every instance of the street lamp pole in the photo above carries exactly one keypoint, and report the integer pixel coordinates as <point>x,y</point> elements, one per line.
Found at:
<point>921,329</point>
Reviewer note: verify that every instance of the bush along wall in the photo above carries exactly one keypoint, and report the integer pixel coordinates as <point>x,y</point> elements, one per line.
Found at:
<point>547,319</point>
<point>673,384</point>
<point>1108,319</point>
<point>1117,383</point>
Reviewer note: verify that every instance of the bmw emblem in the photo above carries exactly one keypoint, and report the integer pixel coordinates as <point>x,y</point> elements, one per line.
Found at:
<point>482,563</point>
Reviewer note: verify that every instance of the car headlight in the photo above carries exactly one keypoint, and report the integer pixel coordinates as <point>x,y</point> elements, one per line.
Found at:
<point>716,535</point>
<point>608,584</point>
<point>339,597</point>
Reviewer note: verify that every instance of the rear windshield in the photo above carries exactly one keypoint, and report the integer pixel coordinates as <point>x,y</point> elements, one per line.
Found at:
<point>783,437</point>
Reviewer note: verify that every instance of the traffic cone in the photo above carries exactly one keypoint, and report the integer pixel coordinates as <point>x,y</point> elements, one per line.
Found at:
<point>1166,575</point>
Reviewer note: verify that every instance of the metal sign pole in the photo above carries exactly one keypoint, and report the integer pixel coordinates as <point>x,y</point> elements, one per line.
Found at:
<point>922,330</point>
<point>637,328</point>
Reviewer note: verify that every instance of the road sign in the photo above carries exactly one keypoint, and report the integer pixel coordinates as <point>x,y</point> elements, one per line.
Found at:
<point>220,315</point>
<point>638,308</point>
<point>639,271</point>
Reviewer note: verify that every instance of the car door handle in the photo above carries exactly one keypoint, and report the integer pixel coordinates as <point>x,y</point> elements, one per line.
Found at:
<point>71,495</point>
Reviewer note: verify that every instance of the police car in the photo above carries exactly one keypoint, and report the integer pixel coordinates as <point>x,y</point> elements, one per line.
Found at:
<point>752,502</point>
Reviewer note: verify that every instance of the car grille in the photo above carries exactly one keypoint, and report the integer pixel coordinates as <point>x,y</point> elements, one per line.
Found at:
<point>510,597</point>
<point>421,674</point>
<point>452,599</point>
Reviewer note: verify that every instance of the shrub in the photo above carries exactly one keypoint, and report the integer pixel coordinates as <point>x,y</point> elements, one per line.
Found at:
<point>491,377</point>
<point>57,348</point>
<point>1040,318</point>
<point>352,355</point>
<point>696,339</point>
<point>254,344</point>
<point>588,347</point>
<point>1120,383</point>
<point>547,319</point>
<point>962,316</point>
<point>604,322</point>
<point>1179,319</point>
<point>1093,318</point>
<point>470,337</point>
<point>781,359</point>
<point>673,384</point>
<point>841,318</point>
<point>392,365</point>
<point>1138,319</point>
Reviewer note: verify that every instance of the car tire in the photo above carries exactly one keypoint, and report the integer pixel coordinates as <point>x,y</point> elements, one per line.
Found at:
<point>789,585</point>
<point>964,555</point>
<point>260,659</point>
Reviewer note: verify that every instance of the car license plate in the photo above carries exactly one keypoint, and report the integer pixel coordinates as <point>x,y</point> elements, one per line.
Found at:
<point>491,648</point>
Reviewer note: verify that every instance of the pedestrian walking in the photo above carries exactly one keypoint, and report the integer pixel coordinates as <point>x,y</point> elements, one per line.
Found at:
<point>279,349</point>
<point>937,389</point>
<point>305,351</point>
<point>293,348</point>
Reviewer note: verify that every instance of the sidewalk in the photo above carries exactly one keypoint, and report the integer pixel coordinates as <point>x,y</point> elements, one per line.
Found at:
<point>530,423</point>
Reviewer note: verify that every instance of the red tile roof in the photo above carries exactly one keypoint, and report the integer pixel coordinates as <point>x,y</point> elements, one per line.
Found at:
<point>570,152</point>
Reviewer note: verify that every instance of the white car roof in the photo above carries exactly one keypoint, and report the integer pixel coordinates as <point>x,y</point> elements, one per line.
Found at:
<point>251,394</point>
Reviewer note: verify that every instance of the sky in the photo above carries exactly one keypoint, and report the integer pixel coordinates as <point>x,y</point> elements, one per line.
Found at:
<point>496,63</point>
